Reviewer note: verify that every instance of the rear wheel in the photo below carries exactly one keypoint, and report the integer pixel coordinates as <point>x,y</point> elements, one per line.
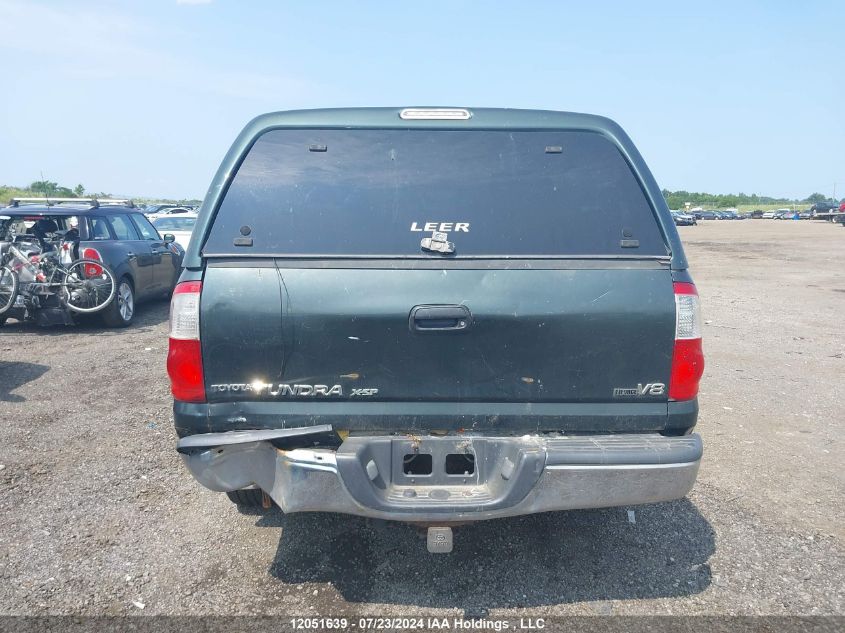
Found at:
<point>250,498</point>
<point>121,311</point>
<point>8,288</point>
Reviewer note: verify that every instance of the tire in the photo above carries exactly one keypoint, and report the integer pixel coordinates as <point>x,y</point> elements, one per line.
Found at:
<point>250,498</point>
<point>121,311</point>
<point>9,286</point>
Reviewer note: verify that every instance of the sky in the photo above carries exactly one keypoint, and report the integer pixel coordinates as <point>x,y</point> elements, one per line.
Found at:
<point>144,98</point>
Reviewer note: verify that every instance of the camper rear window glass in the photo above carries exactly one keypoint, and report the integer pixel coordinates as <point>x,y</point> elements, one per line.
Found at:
<point>337,193</point>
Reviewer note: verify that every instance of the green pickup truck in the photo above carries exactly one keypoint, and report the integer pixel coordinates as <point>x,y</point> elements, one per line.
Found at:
<point>436,315</point>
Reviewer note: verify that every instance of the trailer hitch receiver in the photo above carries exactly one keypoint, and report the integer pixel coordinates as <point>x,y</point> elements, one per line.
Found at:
<point>439,540</point>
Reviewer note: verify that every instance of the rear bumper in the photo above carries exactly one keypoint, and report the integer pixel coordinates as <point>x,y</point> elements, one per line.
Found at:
<point>512,476</point>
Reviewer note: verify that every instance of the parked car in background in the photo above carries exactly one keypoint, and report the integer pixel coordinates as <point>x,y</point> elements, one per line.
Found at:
<point>756,214</point>
<point>824,207</point>
<point>708,215</point>
<point>784,214</point>
<point>164,207</point>
<point>179,225</point>
<point>831,214</point>
<point>683,219</point>
<point>145,264</point>
<point>169,211</point>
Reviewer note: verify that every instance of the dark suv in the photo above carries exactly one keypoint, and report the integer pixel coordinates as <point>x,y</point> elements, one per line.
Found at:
<point>823,207</point>
<point>436,315</point>
<point>145,264</point>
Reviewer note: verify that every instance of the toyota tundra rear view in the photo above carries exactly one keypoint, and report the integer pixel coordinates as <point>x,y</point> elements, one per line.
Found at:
<point>436,315</point>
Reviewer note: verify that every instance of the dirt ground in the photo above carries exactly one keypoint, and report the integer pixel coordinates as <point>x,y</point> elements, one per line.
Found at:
<point>98,515</point>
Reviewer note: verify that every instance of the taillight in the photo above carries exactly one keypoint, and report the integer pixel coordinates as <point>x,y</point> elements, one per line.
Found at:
<point>688,358</point>
<point>184,356</point>
<point>92,270</point>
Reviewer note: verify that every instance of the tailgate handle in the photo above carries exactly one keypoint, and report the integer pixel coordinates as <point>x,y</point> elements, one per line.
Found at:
<point>440,318</point>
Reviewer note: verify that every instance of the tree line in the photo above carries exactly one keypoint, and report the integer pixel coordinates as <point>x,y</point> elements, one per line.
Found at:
<point>53,190</point>
<point>50,189</point>
<point>677,199</point>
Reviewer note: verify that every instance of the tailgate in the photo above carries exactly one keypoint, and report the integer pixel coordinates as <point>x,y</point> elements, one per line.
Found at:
<point>579,334</point>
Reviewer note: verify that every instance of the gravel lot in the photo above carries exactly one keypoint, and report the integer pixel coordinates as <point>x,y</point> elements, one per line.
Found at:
<point>98,516</point>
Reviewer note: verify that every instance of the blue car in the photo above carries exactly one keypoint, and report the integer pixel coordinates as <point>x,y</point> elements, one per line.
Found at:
<point>144,264</point>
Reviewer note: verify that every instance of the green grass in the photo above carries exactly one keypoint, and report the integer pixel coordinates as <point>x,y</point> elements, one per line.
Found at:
<point>748,208</point>
<point>6,193</point>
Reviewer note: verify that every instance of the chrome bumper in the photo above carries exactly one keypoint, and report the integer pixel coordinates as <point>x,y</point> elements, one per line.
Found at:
<point>512,476</point>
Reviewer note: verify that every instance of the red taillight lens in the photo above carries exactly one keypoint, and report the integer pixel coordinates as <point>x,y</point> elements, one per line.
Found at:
<point>184,356</point>
<point>687,368</point>
<point>688,357</point>
<point>184,366</point>
<point>92,270</point>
